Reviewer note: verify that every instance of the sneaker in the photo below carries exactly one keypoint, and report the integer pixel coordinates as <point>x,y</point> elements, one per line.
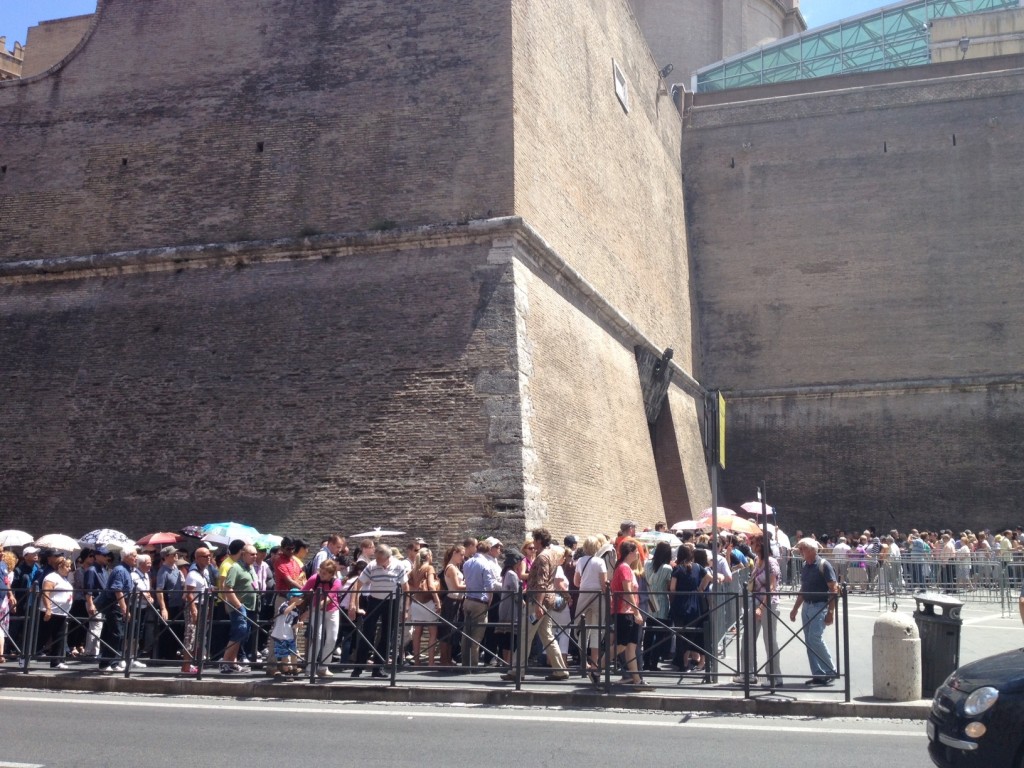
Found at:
<point>228,669</point>
<point>119,667</point>
<point>557,676</point>
<point>508,677</point>
<point>357,672</point>
<point>324,672</point>
<point>106,670</point>
<point>138,664</point>
<point>62,665</point>
<point>377,673</point>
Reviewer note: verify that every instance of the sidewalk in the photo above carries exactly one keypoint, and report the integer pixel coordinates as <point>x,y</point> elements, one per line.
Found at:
<point>985,632</point>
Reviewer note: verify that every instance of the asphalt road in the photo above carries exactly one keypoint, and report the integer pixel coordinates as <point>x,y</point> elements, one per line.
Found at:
<point>81,730</point>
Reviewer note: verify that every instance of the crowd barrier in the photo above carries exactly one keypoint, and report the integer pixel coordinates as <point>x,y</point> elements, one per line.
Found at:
<point>379,640</point>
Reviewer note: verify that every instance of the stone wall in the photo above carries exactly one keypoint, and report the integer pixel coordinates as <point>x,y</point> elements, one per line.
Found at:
<point>49,42</point>
<point>318,388</point>
<point>926,457</point>
<point>858,241</point>
<point>599,183</point>
<point>205,121</point>
<point>690,34</point>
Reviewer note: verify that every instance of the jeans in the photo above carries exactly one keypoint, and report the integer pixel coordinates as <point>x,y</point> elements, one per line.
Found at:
<point>818,655</point>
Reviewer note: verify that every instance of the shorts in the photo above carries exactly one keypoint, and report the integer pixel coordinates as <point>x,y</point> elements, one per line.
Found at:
<point>239,631</point>
<point>285,648</point>
<point>626,630</point>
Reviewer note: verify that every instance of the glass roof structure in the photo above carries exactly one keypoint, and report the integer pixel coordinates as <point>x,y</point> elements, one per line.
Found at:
<point>894,36</point>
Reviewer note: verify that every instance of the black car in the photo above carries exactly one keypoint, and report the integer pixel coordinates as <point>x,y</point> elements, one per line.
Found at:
<point>977,716</point>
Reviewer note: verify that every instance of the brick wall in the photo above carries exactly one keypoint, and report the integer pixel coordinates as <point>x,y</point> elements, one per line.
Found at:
<point>49,42</point>
<point>845,237</point>
<point>150,135</point>
<point>599,184</point>
<point>338,391</point>
<point>857,259</point>
<point>585,431</point>
<point>899,459</point>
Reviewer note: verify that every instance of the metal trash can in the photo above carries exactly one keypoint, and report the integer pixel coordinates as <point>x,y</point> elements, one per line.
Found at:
<point>939,624</point>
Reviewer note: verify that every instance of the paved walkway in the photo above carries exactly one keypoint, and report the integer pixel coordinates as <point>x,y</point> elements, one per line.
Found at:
<point>985,631</point>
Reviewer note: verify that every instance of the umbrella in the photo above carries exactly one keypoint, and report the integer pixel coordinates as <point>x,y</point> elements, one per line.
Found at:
<point>653,538</point>
<point>687,525</point>
<point>13,538</point>
<point>268,540</point>
<point>754,508</point>
<point>738,524</point>
<point>106,537</point>
<point>376,533</point>
<point>58,541</point>
<point>721,511</point>
<point>195,531</point>
<point>225,533</point>
<point>159,539</point>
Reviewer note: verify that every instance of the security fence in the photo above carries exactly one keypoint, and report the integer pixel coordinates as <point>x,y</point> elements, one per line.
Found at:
<point>728,644</point>
<point>979,577</point>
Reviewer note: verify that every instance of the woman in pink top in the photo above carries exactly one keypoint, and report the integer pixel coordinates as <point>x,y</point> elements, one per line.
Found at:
<point>626,608</point>
<point>326,583</point>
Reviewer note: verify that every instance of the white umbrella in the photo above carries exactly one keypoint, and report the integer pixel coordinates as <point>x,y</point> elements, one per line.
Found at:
<point>13,538</point>
<point>722,511</point>
<point>754,508</point>
<point>653,538</point>
<point>225,533</point>
<point>58,541</point>
<point>106,537</point>
<point>687,525</point>
<point>376,533</point>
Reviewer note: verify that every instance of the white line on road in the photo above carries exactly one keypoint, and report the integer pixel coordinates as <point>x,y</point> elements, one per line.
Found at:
<point>21,765</point>
<point>504,715</point>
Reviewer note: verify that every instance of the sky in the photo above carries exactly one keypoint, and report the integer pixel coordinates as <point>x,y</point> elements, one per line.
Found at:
<point>16,16</point>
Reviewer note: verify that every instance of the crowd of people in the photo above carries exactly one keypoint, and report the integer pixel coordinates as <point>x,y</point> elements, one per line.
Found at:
<point>479,604</point>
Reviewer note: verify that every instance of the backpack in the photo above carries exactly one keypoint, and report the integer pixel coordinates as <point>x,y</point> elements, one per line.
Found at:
<point>307,569</point>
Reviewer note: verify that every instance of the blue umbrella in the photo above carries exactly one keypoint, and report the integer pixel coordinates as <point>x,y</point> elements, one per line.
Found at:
<point>225,533</point>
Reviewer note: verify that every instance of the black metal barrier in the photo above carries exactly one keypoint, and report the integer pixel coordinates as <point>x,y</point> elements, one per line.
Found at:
<point>381,630</point>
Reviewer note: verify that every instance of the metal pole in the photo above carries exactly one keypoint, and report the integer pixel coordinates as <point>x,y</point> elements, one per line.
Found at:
<point>313,647</point>
<point>397,633</point>
<point>846,642</point>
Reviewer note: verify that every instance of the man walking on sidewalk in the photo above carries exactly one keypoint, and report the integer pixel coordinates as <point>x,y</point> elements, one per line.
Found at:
<point>817,598</point>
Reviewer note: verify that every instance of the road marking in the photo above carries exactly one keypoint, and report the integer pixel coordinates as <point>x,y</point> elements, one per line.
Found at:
<point>269,707</point>
<point>21,765</point>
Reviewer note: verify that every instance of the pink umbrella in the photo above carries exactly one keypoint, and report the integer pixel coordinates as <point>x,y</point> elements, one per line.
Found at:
<point>754,508</point>
<point>159,539</point>
<point>722,511</point>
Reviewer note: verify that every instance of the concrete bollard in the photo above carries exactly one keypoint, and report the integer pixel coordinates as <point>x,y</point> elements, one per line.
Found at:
<point>896,658</point>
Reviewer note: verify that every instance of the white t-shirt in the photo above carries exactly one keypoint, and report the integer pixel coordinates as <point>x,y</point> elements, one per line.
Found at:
<point>379,581</point>
<point>60,597</point>
<point>590,570</point>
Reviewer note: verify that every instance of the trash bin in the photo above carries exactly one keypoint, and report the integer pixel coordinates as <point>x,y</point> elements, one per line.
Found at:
<point>939,624</point>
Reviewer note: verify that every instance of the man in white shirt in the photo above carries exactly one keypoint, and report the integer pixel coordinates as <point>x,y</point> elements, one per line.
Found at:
<point>378,585</point>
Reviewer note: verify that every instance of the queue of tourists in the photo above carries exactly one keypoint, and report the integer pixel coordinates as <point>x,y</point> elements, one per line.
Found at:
<point>589,607</point>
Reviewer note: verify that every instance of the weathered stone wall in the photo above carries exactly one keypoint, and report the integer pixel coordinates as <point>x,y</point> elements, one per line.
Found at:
<point>204,121</point>
<point>328,388</point>
<point>599,184</point>
<point>927,458</point>
<point>584,416</point>
<point>853,239</point>
<point>690,34</point>
<point>49,42</point>
<point>243,367</point>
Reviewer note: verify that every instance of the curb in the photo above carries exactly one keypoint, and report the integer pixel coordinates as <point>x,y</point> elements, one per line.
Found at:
<point>304,691</point>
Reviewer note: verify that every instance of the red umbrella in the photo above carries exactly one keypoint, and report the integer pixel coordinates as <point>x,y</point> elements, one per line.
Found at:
<point>160,538</point>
